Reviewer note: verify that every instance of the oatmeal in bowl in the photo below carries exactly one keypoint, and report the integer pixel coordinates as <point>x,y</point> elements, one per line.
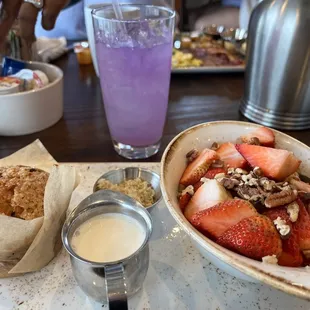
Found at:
<point>239,191</point>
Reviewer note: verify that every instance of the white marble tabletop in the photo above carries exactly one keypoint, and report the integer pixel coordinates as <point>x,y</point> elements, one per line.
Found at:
<point>178,277</point>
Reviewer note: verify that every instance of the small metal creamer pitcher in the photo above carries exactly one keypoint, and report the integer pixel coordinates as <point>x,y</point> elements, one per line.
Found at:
<point>110,283</point>
<point>277,78</point>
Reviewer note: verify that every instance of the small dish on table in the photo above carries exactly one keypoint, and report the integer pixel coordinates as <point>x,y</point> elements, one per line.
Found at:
<point>33,110</point>
<point>138,183</point>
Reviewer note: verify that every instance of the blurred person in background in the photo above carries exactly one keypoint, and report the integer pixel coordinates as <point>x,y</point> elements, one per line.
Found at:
<point>75,29</point>
<point>228,13</point>
<point>219,12</point>
<point>66,18</point>
<point>57,18</point>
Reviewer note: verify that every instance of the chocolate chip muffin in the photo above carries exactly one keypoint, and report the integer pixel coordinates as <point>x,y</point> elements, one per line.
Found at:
<point>22,191</point>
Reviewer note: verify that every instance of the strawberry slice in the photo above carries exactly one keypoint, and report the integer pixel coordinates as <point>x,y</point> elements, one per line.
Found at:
<point>302,227</point>
<point>184,200</point>
<point>254,237</point>
<point>212,172</point>
<point>299,238</point>
<point>281,212</point>
<point>186,196</point>
<point>198,168</point>
<point>276,164</point>
<point>291,255</point>
<point>197,185</point>
<point>216,220</point>
<point>230,156</point>
<point>265,136</point>
<point>208,195</point>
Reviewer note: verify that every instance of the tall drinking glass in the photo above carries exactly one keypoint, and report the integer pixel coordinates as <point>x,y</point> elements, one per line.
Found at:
<point>134,60</point>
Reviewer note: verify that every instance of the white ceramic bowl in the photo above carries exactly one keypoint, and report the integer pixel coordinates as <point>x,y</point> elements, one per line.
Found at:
<point>294,281</point>
<point>32,111</point>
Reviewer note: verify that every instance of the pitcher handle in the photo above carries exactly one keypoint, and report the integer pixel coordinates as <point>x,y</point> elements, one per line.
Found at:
<point>115,284</point>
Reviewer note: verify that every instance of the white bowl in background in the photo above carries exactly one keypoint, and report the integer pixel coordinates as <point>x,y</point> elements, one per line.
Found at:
<point>294,281</point>
<point>32,111</point>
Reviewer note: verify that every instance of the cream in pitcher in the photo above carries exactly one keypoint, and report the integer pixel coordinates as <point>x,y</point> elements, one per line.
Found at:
<point>108,237</point>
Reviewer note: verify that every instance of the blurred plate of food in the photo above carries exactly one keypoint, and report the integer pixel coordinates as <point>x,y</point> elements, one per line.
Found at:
<point>215,49</point>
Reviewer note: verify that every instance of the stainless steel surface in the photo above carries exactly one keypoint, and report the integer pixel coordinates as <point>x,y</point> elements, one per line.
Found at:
<point>119,175</point>
<point>116,289</point>
<point>277,79</point>
<point>109,282</point>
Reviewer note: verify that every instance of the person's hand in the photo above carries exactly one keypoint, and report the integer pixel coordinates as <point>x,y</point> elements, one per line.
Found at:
<point>27,14</point>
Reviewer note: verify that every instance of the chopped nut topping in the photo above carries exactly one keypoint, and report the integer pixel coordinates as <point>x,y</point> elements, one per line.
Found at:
<point>214,146</point>
<point>258,172</point>
<point>294,176</point>
<point>246,178</point>
<point>253,182</point>
<point>204,180</point>
<point>254,141</point>
<point>270,259</point>
<point>267,184</point>
<point>282,227</point>
<point>229,183</point>
<point>188,190</point>
<point>192,155</point>
<point>280,199</point>
<point>249,193</point>
<point>293,211</point>
<point>217,163</point>
<point>253,186</point>
<point>219,176</point>
<point>231,171</point>
<point>241,171</point>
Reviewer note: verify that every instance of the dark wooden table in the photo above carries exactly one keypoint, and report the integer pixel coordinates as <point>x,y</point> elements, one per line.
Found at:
<point>82,134</point>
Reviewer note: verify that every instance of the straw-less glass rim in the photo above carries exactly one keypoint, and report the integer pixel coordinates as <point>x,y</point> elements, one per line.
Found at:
<point>114,20</point>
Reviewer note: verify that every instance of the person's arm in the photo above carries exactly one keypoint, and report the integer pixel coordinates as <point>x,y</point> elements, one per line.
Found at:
<point>27,15</point>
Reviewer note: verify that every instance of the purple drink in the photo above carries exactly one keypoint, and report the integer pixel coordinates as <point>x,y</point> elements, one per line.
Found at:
<point>135,86</point>
<point>135,77</point>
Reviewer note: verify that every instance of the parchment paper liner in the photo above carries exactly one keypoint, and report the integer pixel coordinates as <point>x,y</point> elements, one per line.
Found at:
<point>27,246</point>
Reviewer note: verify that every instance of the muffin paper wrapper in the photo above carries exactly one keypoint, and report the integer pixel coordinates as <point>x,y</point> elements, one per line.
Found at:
<point>27,246</point>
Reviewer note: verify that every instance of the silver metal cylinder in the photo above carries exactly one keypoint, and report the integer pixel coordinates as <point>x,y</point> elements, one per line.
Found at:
<point>277,78</point>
